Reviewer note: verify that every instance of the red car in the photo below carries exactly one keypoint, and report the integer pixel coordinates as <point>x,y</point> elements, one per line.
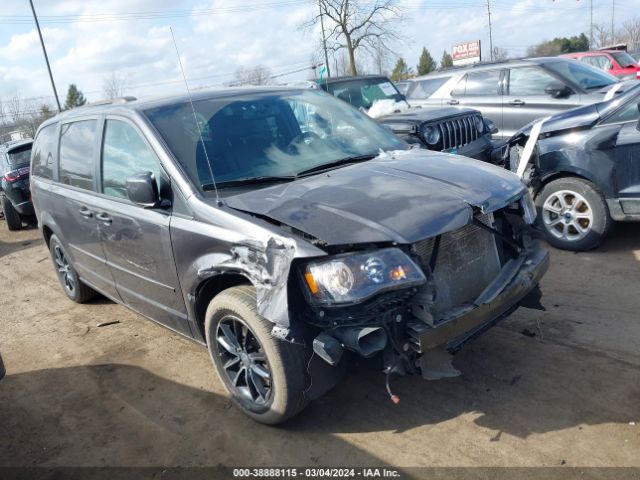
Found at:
<point>616,62</point>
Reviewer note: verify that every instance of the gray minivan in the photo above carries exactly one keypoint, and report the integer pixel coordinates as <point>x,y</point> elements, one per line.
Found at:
<point>286,231</point>
<point>513,93</point>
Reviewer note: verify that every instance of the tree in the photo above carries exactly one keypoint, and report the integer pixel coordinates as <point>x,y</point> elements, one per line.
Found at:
<point>401,71</point>
<point>381,58</point>
<point>113,86</point>
<point>258,75</point>
<point>45,112</point>
<point>560,45</point>
<point>447,61</point>
<point>499,54</point>
<point>355,25</point>
<point>75,98</point>
<point>629,34</point>
<point>426,63</point>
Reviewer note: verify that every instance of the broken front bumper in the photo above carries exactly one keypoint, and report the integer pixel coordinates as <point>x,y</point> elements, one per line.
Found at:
<point>517,279</point>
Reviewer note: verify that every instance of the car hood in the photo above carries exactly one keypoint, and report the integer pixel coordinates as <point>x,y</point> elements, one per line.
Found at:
<point>417,115</point>
<point>401,197</point>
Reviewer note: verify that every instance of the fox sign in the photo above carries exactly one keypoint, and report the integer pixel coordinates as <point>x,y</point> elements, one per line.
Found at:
<point>466,53</point>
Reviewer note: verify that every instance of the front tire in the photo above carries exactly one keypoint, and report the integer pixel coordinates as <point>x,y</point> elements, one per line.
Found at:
<point>573,214</point>
<point>14,221</point>
<point>75,289</point>
<point>266,376</point>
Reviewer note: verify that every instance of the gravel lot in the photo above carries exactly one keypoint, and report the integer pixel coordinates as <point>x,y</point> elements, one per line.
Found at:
<point>136,394</point>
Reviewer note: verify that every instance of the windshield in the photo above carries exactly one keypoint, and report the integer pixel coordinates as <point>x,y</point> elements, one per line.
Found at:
<point>19,155</point>
<point>624,59</point>
<point>364,92</point>
<point>269,134</point>
<point>584,75</point>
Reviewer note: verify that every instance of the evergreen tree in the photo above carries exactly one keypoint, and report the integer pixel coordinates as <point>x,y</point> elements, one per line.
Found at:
<point>447,61</point>
<point>401,71</point>
<point>426,63</point>
<point>75,98</point>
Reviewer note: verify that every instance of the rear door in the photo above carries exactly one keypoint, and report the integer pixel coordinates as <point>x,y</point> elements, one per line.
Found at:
<point>137,240</point>
<point>525,100</point>
<point>481,90</point>
<point>74,203</point>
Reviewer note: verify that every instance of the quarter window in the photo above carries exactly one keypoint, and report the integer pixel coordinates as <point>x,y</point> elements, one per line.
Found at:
<point>629,113</point>
<point>77,141</point>
<point>484,83</point>
<point>43,152</point>
<point>124,154</point>
<point>528,81</point>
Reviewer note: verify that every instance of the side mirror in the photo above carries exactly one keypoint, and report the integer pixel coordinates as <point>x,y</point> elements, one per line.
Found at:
<point>558,90</point>
<point>142,189</point>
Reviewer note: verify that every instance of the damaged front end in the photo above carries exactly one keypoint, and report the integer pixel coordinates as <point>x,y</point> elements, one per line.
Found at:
<point>433,297</point>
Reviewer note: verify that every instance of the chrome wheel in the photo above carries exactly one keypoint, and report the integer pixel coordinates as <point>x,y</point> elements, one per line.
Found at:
<point>65,272</point>
<point>567,215</point>
<point>243,361</point>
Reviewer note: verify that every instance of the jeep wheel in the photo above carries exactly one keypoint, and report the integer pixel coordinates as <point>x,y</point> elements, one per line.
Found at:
<point>265,376</point>
<point>573,214</point>
<point>14,222</point>
<point>75,289</point>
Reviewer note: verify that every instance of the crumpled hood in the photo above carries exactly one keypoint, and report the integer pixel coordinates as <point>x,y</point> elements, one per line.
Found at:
<point>400,197</point>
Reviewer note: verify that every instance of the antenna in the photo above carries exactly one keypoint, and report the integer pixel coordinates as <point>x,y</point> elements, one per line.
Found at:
<point>195,119</point>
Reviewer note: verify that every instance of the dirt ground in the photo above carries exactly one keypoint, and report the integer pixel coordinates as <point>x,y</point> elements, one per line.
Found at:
<point>135,394</point>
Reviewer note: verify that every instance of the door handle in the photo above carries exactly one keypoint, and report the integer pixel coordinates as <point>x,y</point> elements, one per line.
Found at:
<point>86,213</point>
<point>453,102</point>
<point>104,218</point>
<point>516,102</point>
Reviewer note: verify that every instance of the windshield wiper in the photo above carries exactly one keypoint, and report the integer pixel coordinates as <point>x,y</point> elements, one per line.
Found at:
<point>338,163</point>
<point>247,181</point>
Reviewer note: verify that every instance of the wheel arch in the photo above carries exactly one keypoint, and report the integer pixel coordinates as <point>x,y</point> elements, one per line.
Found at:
<point>212,286</point>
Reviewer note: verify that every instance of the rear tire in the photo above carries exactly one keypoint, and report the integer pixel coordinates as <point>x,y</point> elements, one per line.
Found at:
<point>75,289</point>
<point>270,391</point>
<point>14,221</point>
<point>573,214</point>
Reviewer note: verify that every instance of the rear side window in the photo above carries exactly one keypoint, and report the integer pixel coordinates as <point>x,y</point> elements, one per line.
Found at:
<point>473,84</point>
<point>43,152</point>
<point>599,61</point>
<point>528,81</point>
<point>77,141</point>
<point>421,89</point>
<point>124,153</point>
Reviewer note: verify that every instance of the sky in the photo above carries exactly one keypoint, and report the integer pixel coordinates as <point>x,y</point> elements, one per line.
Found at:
<point>90,40</point>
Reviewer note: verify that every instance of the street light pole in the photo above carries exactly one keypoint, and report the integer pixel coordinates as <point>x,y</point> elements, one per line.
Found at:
<point>613,11</point>
<point>46,58</point>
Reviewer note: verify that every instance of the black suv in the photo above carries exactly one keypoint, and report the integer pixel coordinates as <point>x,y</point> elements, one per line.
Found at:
<point>15,195</point>
<point>447,129</point>
<point>584,170</point>
<point>284,230</point>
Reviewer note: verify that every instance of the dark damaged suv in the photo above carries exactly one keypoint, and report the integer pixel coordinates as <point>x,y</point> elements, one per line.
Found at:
<point>286,231</point>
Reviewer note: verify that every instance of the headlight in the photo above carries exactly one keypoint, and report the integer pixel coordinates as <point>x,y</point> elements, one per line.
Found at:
<point>431,134</point>
<point>528,208</point>
<point>354,278</point>
<point>479,124</point>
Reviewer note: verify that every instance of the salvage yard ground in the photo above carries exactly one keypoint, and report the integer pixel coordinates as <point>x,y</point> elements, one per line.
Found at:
<point>560,387</point>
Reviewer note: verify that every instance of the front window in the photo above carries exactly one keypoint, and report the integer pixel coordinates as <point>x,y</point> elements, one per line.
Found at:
<point>587,77</point>
<point>266,135</point>
<point>624,59</point>
<point>365,92</point>
<point>421,89</point>
<point>528,81</point>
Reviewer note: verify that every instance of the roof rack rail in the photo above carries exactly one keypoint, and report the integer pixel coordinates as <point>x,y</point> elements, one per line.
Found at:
<point>112,101</point>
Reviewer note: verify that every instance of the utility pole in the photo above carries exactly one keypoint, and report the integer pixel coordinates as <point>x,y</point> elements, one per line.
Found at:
<point>324,40</point>
<point>591,29</point>
<point>490,34</point>
<point>46,58</point>
<point>613,11</point>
